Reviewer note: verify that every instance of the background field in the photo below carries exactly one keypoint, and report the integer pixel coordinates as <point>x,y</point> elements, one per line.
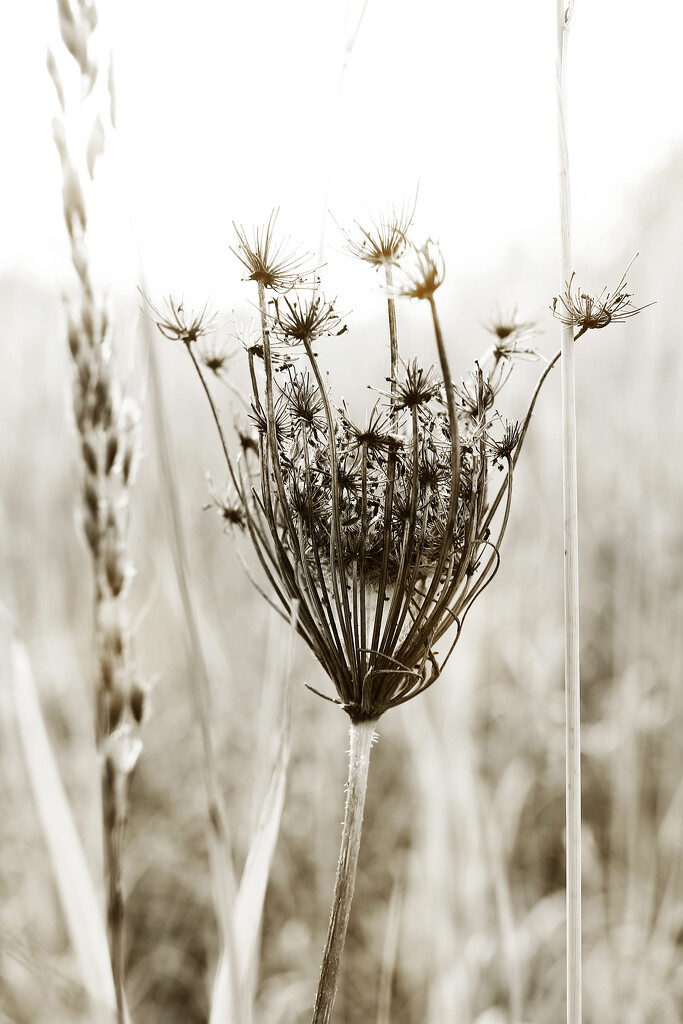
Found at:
<point>464,824</point>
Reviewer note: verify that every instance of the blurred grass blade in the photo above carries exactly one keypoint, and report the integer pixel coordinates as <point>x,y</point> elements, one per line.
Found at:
<point>77,893</point>
<point>252,890</point>
<point>228,997</point>
<point>390,952</point>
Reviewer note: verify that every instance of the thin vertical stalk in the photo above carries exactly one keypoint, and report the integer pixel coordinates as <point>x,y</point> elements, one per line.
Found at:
<point>361,737</point>
<point>393,338</point>
<point>114,807</point>
<point>349,43</point>
<point>571,553</point>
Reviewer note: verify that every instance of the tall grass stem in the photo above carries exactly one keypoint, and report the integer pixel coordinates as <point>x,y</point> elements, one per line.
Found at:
<point>571,551</point>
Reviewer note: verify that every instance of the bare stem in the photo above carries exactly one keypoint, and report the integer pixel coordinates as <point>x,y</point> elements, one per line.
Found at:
<point>361,737</point>
<point>393,338</point>
<point>114,813</point>
<point>571,555</point>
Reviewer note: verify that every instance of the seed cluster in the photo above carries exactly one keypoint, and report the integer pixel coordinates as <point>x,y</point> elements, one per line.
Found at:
<point>380,534</point>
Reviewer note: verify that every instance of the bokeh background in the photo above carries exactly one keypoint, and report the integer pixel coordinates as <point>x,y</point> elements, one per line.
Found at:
<point>225,111</point>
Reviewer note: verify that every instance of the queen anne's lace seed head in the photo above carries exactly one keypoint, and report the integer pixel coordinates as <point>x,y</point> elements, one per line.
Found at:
<point>380,532</point>
<point>384,242</point>
<point>270,263</point>
<point>585,312</point>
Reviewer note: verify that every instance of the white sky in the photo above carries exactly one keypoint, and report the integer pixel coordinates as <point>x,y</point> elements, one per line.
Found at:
<point>226,109</point>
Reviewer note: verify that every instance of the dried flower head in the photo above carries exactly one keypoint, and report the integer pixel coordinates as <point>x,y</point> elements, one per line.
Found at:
<point>304,401</point>
<point>375,436</point>
<point>179,324</point>
<point>217,356</point>
<point>421,272</point>
<point>245,435</point>
<point>416,387</point>
<point>576,308</point>
<point>382,534</point>
<point>475,395</point>
<point>504,447</point>
<point>385,241</point>
<point>269,262</point>
<point>511,336</point>
<point>227,504</point>
<point>302,320</point>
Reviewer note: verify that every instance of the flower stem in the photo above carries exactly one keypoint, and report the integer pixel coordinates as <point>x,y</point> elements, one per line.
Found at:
<point>361,737</point>
<point>571,558</point>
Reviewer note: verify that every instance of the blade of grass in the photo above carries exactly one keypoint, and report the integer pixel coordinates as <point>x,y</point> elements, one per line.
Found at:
<point>252,890</point>
<point>389,952</point>
<point>79,900</point>
<point>220,845</point>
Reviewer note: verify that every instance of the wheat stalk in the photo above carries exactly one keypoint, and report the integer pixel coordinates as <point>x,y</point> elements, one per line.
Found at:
<point>107,425</point>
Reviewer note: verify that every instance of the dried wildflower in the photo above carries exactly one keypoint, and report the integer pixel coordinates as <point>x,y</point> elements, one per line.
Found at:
<point>216,356</point>
<point>503,449</point>
<point>385,241</point>
<point>380,537</point>
<point>375,437</point>
<point>417,387</point>
<point>248,442</point>
<point>373,530</point>
<point>268,262</point>
<point>588,312</point>
<point>248,335</point>
<point>227,504</point>
<point>251,339</point>
<point>303,320</point>
<point>177,324</point>
<point>304,401</point>
<point>511,337</point>
<point>309,501</point>
<point>381,533</point>
<point>281,421</point>
<point>422,272</point>
<point>475,395</point>
<point>432,471</point>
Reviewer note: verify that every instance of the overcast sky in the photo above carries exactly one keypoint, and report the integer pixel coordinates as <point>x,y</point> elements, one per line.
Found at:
<point>227,109</point>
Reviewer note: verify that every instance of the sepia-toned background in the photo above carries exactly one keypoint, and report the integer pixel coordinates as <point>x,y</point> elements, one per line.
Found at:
<point>224,112</point>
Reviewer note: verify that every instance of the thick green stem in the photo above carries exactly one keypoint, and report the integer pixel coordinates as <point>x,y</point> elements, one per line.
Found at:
<point>361,736</point>
<point>571,555</point>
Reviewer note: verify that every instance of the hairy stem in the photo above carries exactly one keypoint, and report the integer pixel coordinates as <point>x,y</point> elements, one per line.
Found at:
<point>571,555</point>
<point>361,737</point>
